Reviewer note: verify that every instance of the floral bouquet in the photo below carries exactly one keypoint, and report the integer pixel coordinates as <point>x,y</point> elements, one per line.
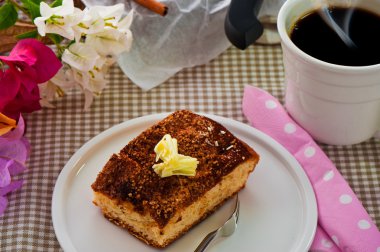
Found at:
<point>84,44</point>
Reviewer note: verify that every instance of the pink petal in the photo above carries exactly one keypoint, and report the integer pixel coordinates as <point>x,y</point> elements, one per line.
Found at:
<point>9,87</point>
<point>14,150</point>
<point>28,76</point>
<point>47,63</point>
<point>18,132</point>
<point>16,168</point>
<point>24,102</point>
<point>22,52</point>
<point>25,73</point>
<point>14,185</point>
<point>26,143</point>
<point>5,176</point>
<point>35,55</point>
<point>3,205</point>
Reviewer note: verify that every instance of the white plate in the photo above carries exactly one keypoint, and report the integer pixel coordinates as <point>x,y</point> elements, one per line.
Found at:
<point>278,206</point>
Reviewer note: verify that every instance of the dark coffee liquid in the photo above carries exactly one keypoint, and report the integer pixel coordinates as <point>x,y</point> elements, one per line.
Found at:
<point>313,36</point>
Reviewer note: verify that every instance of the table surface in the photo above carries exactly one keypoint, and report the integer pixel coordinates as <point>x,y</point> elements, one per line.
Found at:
<point>214,88</point>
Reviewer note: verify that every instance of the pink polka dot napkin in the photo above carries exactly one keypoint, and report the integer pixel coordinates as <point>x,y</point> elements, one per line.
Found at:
<point>343,223</point>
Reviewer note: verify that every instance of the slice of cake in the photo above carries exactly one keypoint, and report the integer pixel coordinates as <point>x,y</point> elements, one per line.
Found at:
<point>158,210</point>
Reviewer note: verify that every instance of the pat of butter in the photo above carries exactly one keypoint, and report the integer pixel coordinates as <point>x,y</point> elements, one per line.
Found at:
<point>173,163</point>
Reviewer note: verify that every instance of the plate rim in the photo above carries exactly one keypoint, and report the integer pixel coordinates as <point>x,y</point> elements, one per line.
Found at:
<point>59,188</point>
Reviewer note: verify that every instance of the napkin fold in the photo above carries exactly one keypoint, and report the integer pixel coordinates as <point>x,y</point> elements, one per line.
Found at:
<point>343,223</point>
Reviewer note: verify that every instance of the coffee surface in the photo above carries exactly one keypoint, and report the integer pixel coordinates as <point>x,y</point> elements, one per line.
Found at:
<point>313,36</point>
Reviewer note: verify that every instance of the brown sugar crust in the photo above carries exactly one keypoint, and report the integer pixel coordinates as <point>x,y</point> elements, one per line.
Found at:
<point>129,176</point>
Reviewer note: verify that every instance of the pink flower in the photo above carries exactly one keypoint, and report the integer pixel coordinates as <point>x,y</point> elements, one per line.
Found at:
<point>14,151</point>
<point>30,63</point>
<point>9,87</point>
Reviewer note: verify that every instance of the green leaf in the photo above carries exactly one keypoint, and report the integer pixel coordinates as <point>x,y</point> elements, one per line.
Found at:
<point>55,38</point>
<point>29,34</point>
<point>56,3</point>
<point>32,7</point>
<point>8,16</point>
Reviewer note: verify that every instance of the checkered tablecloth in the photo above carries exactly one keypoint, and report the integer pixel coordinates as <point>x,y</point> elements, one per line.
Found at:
<point>215,88</point>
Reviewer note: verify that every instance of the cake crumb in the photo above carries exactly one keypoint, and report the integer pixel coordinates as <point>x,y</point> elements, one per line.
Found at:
<point>208,142</point>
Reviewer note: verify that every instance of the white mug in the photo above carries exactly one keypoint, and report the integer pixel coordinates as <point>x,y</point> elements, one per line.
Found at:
<point>336,104</point>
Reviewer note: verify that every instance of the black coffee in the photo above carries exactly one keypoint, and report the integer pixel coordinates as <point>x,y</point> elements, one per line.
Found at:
<point>313,36</point>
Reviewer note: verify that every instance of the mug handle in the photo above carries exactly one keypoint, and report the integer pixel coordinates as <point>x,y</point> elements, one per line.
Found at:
<point>241,25</point>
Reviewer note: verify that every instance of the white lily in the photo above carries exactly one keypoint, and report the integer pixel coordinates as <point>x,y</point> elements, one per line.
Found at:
<point>91,23</point>
<point>93,78</point>
<point>96,82</point>
<point>80,56</point>
<point>110,42</point>
<point>116,37</point>
<point>110,14</point>
<point>98,35</point>
<point>91,86</point>
<point>93,81</point>
<point>59,19</point>
<point>64,78</point>
<point>126,22</point>
<point>57,86</point>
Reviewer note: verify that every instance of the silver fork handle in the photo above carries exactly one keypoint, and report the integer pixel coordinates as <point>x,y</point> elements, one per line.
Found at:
<point>206,241</point>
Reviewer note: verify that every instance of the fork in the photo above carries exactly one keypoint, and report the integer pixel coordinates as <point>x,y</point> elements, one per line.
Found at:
<point>227,229</point>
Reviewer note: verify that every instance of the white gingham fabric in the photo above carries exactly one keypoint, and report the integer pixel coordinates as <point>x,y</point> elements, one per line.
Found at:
<point>215,88</point>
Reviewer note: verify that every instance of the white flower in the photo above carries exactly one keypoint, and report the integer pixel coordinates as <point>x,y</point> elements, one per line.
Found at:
<point>88,70</point>
<point>97,19</point>
<point>57,86</point>
<point>96,82</point>
<point>113,40</point>
<point>48,91</point>
<point>98,35</point>
<point>110,42</point>
<point>80,56</point>
<point>104,32</point>
<point>110,14</point>
<point>59,19</point>
<point>64,78</point>
<point>91,23</point>
<point>91,84</point>
<point>126,22</point>
<point>93,81</point>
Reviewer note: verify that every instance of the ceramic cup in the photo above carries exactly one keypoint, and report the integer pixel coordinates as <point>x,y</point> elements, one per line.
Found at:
<point>336,104</point>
